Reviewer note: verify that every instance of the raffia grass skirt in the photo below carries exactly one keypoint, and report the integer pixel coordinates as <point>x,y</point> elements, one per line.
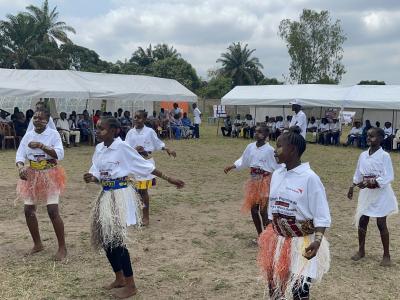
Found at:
<point>113,212</point>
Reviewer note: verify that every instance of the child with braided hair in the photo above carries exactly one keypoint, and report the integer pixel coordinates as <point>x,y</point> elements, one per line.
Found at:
<point>373,175</point>
<point>117,206</point>
<point>292,250</point>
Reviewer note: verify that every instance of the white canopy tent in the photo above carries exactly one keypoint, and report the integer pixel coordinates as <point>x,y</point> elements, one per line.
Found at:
<point>22,85</point>
<point>378,103</point>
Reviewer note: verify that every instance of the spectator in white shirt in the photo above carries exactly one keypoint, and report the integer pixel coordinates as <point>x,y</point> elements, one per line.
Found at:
<point>237,126</point>
<point>299,119</point>
<point>196,121</point>
<point>396,139</point>
<point>64,130</point>
<point>280,126</point>
<point>355,134</point>
<point>74,129</point>
<point>323,131</point>
<point>389,135</point>
<point>249,127</point>
<point>334,132</point>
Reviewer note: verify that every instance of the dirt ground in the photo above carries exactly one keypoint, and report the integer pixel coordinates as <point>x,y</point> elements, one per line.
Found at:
<point>198,245</point>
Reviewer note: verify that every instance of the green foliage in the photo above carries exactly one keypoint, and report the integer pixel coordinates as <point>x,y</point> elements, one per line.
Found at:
<point>371,82</point>
<point>239,65</point>
<point>315,47</point>
<point>216,88</point>
<point>178,69</point>
<point>270,81</point>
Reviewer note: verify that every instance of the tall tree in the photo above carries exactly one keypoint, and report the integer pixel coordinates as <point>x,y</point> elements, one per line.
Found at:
<point>19,47</point>
<point>143,57</point>
<point>49,28</point>
<point>315,47</point>
<point>163,51</point>
<point>239,65</point>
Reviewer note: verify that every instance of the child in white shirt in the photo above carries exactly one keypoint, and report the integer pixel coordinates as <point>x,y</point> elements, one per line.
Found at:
<point>259,157</point>
<point>145,141</point>
<point>117,206</point>
<point>43,180</point>
<point>373,175</point>
<point>293,251</point>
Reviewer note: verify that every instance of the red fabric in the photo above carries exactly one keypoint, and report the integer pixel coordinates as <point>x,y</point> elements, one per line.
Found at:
<point>256,191</point>
<point>42,184</point>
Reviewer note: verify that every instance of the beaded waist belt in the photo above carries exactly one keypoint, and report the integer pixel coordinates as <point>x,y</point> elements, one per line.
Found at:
<point>371,181</point>
<point>115,184</point>
<point>43,164</point>
<point>289,227</point>
<point>258,171</point>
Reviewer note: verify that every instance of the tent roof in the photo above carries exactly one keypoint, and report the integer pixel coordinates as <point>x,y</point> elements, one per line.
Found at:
<point>320,95</point>
<point>85,85</point>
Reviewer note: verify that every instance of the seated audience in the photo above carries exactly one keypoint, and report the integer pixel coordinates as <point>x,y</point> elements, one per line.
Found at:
<point>4,116</point>
<point>323,131</point>
<point>153,121</point>
<point>227,128</point>
<point>389,135</point>
<point>96,117</point>
<point>15,114</point>
<point>187,127</point>
<point>176,126</point>
<point>237,126</point>
<point>126,124</point>
<point>63,128</point>
<point>249,127</point>
<point>396,140</point>
<point>20,125</point>
<point>363,140</point>
<point>28,116</point>
<point>85,126</point>
<point>312,130</point>
<point>355,134</point>
<point>334,132</point>
<point>280,126</point>
<point>74,129</point>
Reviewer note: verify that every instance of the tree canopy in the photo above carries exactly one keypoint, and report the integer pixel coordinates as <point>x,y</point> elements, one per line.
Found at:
<point>315,47</point>
<point>371,82</point>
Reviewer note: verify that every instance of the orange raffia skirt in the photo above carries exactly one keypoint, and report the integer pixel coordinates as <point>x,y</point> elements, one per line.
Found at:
<point>41,183</point>
<point>281,260</point>
<point>256,190</point>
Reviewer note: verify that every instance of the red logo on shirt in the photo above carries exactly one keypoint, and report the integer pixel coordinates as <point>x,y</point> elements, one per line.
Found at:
<point>281,203</point>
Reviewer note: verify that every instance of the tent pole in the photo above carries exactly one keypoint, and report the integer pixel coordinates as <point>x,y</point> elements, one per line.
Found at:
<point>393,119</point>
<point>362,116</point>
<point>255,114</point>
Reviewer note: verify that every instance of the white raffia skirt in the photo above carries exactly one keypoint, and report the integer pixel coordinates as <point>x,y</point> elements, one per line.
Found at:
<point>379,202</point>
<point>113,212</point>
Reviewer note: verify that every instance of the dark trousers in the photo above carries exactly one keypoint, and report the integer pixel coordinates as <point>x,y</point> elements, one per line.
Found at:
<point>120,260</point>
<point>226,131</point>
<point>196,131</point>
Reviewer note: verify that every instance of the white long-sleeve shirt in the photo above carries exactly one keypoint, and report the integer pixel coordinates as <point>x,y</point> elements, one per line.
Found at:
<point>50,125</point>
<point>50,138</point>
<point>118,160</point>
<point>258,157</point>
<point>300,119</point>
<point>145,137</point>
<point>379,164</point>
<point>299,193</point>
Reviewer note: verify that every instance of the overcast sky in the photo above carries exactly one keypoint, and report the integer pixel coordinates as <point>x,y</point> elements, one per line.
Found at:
<point>202,30</point>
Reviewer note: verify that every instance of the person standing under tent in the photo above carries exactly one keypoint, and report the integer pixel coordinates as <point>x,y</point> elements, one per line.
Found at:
<point>39,107</point>
<point>373,175</point>
<point>259,157</point>
<point>299,118</point>
<point>43,180</point>
<point>118,206</point>
<point>292,249</point>
<point>145,141</point>
<point>196,121</point>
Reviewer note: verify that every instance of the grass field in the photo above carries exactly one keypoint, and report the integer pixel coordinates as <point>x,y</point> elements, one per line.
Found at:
<point>198,244</point>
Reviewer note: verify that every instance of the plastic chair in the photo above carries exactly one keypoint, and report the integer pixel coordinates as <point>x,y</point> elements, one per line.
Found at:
<point>8,133</point>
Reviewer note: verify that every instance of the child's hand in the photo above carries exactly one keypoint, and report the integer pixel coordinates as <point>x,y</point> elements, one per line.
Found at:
<point>88,177</point>
<point>350,193</point>
<point>139,149</point>
<point>311,251</point>
<point>228,169</point>
<point>362,184</point>
<point>23,174</point>
<point>178,183</point>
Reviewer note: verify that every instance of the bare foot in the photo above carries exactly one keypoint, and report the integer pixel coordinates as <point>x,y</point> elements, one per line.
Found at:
<point>115,284</point>
<point>61,254</point>
<point>35,249</point>
<point>359,255</point>
<point>386,262</point>
<point>125,292</point>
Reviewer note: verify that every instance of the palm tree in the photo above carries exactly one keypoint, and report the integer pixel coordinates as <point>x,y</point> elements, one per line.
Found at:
<point>163,51</point>
<point>19,47</point>
<point>238,64</point>
<point>143,57</point>
<point>50,30</point>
